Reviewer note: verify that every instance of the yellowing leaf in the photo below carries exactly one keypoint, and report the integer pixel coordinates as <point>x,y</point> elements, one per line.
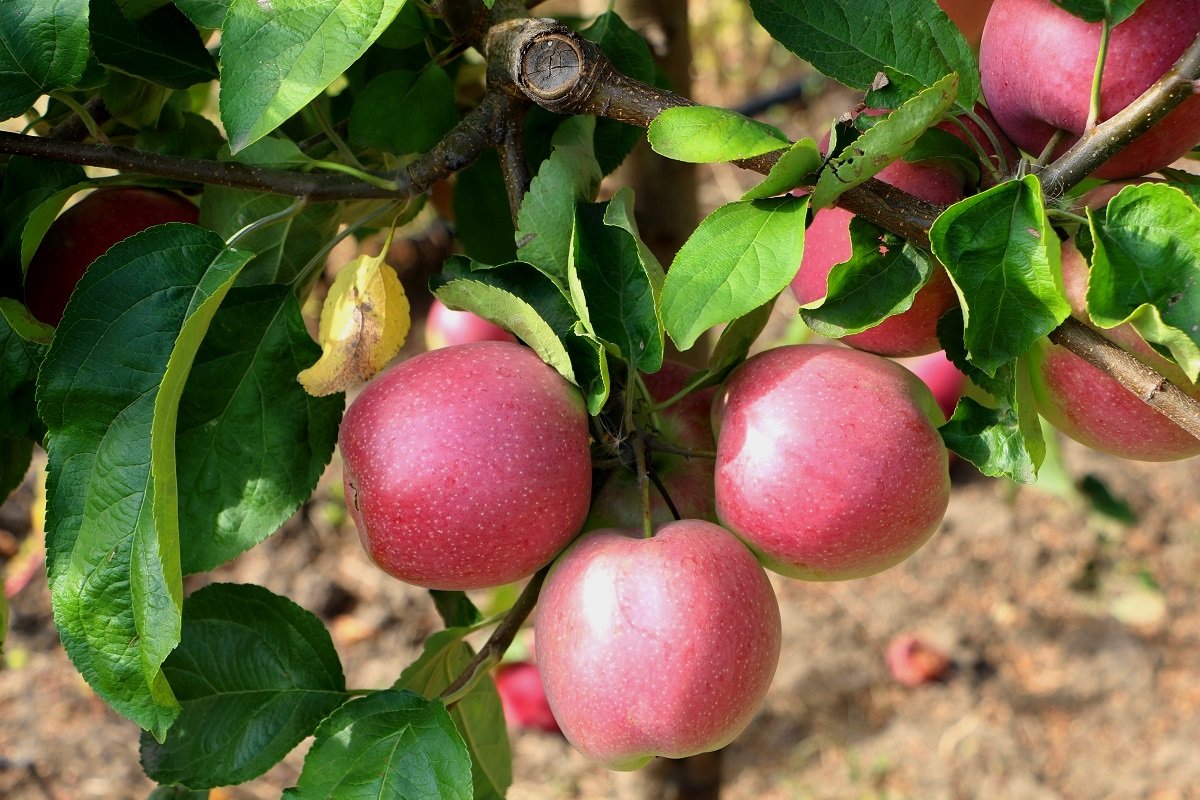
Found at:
<point>364,323</point>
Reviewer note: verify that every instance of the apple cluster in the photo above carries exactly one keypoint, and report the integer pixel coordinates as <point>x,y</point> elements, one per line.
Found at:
<point>471,466</point>
<point>658,631</point>
<point>1025,108</point>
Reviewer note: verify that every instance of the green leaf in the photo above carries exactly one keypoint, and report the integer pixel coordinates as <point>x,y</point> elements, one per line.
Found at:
<point>944,148</point>
<point>571,175</point>
<point>881,279</point>
<point>389,744</point>
<point>455,608</point>
<point>178,793</point>
<point>482,218</point>
<point>42,216</point>
<point>619,214</point>
<point>45,49</point>
<point>404,111</point>
<point>477,715</point>
<point>162,47</point>
<point>1097,10</point>
<point>282,250</point>
<point>255,674</point>
<point>800,161</point>
<point>1146,269</point>
<point>1185,182</point>
<point>27,184</point>
<point>136,9</point>
<point>703,134</point>
<point>1005,262</point>
<point>520,279</point>
<point>408,29</point>
<point>732,347</point>
<point>911,42</point>
<point>205,13</point>
<point>251,443</point>
<point>276,57</point>
<point>740,256</point>
<point>23,345</point>
<point>1001,441</point>
<point>108,392</point>
<point>191,136</point>
<point>15,457</point>
<point>132,101</point>
<point>612,290</point>
<point>590,360</point>
<point>275,152</point>
<point>886,140</point>
<point>512,312</point>
<point>627,50</point>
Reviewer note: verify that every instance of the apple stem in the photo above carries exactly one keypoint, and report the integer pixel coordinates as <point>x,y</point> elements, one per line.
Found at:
<point>85,117</point>
<point>1002,166</point>
<point>667,447</point>
<point>365,177</point>
<point>292,210</point>
<point>337,141</point>
<point>317,262</point>
<point>666,496</point>
<point>1047,153</point>
<point>1094,105</point>
<point>1068,216</point>
<point>639,451</point>
<point>498,643</point>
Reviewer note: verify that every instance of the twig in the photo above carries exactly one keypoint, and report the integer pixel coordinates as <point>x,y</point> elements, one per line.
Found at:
<point>510,145</point>
<point>1108,138</point>
<point>545,61</point>
<point>457,150</point>
<point>1135,376</point>
<point>496,645</point>
<point>562,72</point>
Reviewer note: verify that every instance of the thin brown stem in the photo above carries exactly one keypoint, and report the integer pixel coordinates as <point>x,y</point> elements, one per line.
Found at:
<point>1135,376</point>
<point>1105,140</point>
<point>510,144</point>
<point>458,149</point>
<point>560,71</point>
<point>502,637</point>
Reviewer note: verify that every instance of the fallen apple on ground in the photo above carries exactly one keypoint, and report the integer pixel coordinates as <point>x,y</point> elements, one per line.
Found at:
<point>523,696</point>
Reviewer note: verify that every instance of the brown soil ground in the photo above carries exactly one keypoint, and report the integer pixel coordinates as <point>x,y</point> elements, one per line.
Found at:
<point>1075,638</point>
<point>1075,642</point>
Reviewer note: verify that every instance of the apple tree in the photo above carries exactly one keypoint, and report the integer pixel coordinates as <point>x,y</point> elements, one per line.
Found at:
<point>1023,209</point>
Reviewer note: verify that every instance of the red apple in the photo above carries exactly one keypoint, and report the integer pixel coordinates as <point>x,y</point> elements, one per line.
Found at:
<point>827,243</point>
<point>83,233</point>
<point>944,379</point>
<point>1037,62</point>
<point>656,647</point>
<point>688,480</point>
<point>829,462</point>
<point>913,662</point>
<point>467,467</point>
<point>968,15</point>
<point>445,326</point>
<point>523,697</point>
<point>1089,405</point>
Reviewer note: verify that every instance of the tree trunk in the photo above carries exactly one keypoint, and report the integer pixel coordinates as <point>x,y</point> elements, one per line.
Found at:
<point>667,212</point>
<point>666,206</point>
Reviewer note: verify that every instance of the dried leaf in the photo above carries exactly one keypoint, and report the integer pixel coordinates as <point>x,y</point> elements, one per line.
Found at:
<point>364,323</point>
